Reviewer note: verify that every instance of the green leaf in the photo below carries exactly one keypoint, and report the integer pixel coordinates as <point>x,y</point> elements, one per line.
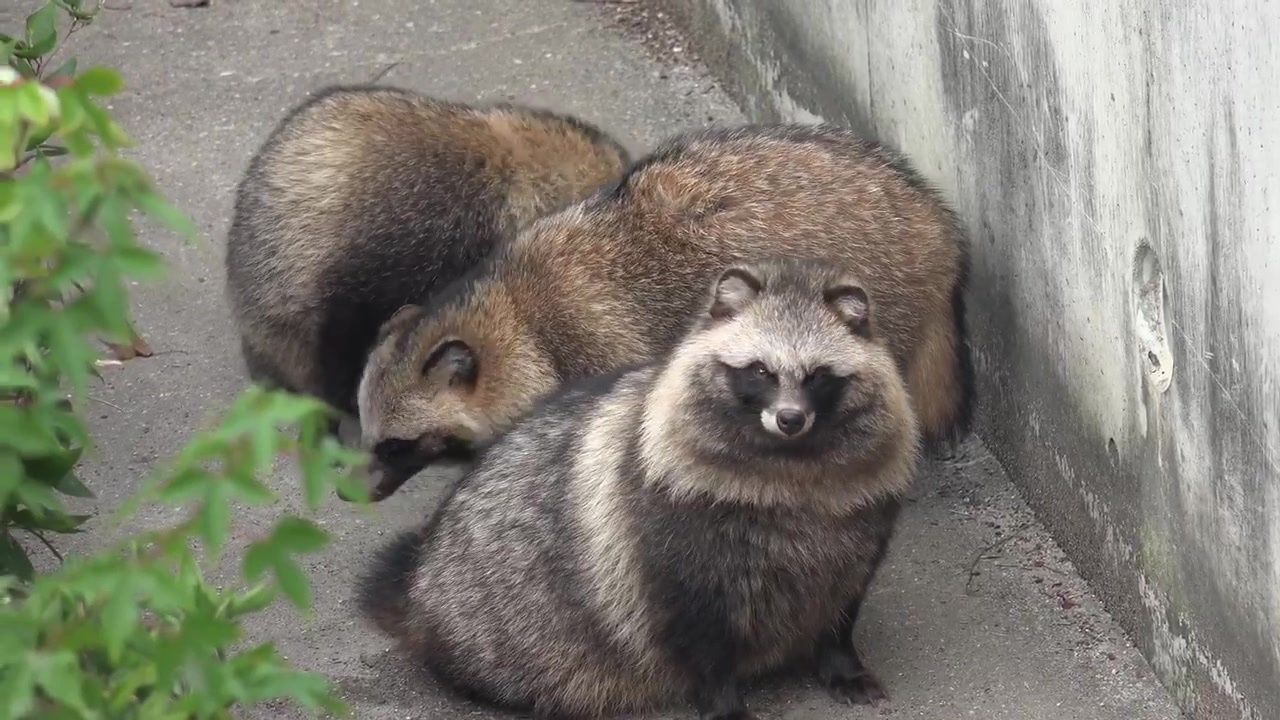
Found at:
<point>293,582</point>
<point>42,32</point>
<point>113,217</point>
<point>110,301</point>
<point>73,117</point>
<point>71,485</point>
<point>20,430</point>
<point>292,535</point>
<point>21,63</point>
<point>249,489</point>
<point>11,474</point>
<point>57,522</point>
<point>57,675</point>
<point>352,489</point>
<point>112,135</point>
<point>7,585</point>
<point>8,146</point>
<point>52,468</point>
<point>155,206</point>
<point>17,690</point>
<point>215,515</point>
<point>66,69</point>
<point>210,632</point>
<point>99,80</point>
<point>32,104</point>
<point>298,535</point>
<point>39,136</point>
<point>124,691</point>
<point>251,601</point>
<point>163,590</point>
<point>69,5</point>
<point>75,8</point>
<point>138,262</point>
<point>39,498</point>
<point>183,485</point>
<point>320,458</point>
<point>119,618</point>
<point>13,558</point>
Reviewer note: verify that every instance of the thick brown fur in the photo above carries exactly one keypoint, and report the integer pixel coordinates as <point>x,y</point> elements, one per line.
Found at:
<point>608,282</point>
<point>654,535</point>
<point>364,199</point>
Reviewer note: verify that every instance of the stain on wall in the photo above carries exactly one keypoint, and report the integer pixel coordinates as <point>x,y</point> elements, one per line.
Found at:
<point>1118,167</point>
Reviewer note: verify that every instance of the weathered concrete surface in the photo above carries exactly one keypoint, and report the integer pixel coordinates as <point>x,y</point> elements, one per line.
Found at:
<point>1021,640</point>
<point>1117,166</point>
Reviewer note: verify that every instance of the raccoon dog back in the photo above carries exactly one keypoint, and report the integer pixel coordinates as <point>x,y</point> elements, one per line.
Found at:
<point>610,281</point>
<point>665,532</point>
<point>364,199</point>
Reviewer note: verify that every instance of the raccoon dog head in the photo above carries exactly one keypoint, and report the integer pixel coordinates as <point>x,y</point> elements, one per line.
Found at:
<point>786,363</point>
<point>413,402</point>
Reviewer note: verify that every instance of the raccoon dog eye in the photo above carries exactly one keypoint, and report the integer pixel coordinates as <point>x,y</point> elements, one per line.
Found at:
<point>759,370</point>
<point>394,450</point>
<point>817,375</point>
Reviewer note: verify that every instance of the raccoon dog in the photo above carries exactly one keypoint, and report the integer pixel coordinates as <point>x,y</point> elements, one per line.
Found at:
<point>610,282</point>
<point>366,198</point>
<point>671,530</point>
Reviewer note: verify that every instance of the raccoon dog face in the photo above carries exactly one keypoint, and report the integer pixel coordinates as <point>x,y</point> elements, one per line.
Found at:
<point>788,361</point>
<point>413,403</point>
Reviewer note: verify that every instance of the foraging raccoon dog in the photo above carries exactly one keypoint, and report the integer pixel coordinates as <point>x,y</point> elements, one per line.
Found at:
<point>366,198</point>
<point>609,282</point>
<point>677,528</point>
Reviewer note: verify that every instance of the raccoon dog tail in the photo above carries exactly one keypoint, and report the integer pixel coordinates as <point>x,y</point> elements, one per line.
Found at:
<point>383,592</point>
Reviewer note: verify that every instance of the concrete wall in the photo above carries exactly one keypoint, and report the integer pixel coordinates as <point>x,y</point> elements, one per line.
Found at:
<point>1118,166</point>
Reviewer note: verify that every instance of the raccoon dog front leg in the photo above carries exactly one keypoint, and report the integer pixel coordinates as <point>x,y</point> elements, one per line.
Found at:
<point>716,695</point>
<point>701,644</point>
<point>840,667</point>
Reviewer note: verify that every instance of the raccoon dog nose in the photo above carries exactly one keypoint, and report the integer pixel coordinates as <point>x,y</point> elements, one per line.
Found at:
<point>790,422</point>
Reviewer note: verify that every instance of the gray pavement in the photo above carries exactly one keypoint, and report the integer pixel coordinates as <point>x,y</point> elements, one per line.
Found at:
<point>1018,636</point>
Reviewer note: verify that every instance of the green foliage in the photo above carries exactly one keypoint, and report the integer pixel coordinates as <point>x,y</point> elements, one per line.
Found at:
<point>134,630</point>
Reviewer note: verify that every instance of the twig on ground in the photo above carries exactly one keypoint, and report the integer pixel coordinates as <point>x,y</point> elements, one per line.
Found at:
<point>107,403</point>
<point>383,72</point>
<point>973,566</point>
<point>47,544</point>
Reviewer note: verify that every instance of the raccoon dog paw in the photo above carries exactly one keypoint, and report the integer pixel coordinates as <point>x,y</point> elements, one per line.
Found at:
<point>862,690</point>
<point>721,700</point>
<point>848,680</point>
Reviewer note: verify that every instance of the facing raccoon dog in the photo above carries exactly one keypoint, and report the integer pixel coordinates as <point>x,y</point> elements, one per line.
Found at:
<point>671,530</point>
<point>366,198</point>
<point>611,281</point>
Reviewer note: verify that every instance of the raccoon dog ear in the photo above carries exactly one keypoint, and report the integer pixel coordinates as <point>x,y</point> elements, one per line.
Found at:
<point>849,301</point>
<point>402,316</point>
<point>454,362</point>
<point>735,289</point>
<point>403,312</point>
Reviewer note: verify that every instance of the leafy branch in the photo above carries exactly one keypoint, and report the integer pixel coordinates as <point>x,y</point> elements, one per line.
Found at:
<point>134,630</point>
